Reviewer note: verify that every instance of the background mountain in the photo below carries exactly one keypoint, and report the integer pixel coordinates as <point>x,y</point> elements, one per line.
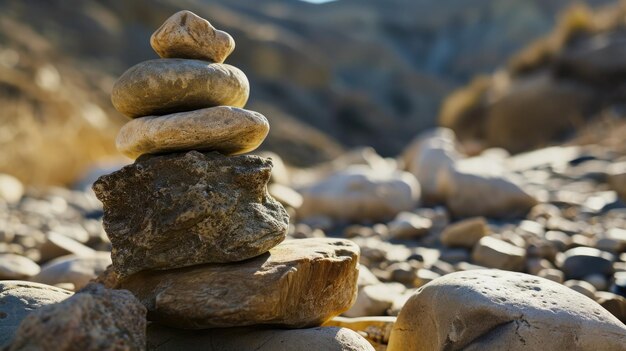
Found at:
<point>330,76</point>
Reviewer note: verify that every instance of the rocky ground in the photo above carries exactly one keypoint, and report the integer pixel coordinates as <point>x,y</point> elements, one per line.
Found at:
<point>554,213</point>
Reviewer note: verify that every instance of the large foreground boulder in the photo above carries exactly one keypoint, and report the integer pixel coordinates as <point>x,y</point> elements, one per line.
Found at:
<point>93,319</point>
<point>299,283</point>
<point>499,310</point>
<point>177,210</point>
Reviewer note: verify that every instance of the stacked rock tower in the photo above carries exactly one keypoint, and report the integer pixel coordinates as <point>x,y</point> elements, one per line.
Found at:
<point>195,234</point>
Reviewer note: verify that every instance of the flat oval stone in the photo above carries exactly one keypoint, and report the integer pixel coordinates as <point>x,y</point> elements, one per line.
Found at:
<point>163,86</point>
<point>19,298</point>
<point>299,283</point>
<point>227,130</point>
<point>186,35</point>
<point>17,267</point>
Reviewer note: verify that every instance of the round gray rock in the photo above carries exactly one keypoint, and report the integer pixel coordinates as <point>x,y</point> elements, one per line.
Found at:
<point>159,87</point>
<point>227,130</point>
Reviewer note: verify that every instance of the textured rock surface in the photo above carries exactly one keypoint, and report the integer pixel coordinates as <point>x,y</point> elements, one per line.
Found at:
<point>73,269</point>
<point>17,267</point>
<point>497,310</point>
<point>93,319</point>
<point>19,298</point>
<point>159,87</point>
<point>225,129</point>
<point>161,338</point>
<point>183,209</point>
<point>360,193</point>
<point>186,35</point>
<point>299,283</point>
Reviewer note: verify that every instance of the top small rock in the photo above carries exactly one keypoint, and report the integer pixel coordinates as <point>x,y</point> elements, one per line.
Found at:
<point>188,36</point>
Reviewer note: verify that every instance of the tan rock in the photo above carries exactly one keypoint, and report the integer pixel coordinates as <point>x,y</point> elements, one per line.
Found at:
<point>613,303</point>
<point>299,283</point>
<point>57,245</point>
<point>465,233</point>
<point>186,35</point>
<point>161,338</point>
<point>498,310</point>
<point>374,300</point>
<point>617,178</point>
<point>18,299</point>
<point>11,189</point>
<point>92,319</point>
<point>17,267</point>
<point>228,130</point>
<point>495,253</point>
<point>159,87</point>
<point>375,329</point>
<point>73,269</point>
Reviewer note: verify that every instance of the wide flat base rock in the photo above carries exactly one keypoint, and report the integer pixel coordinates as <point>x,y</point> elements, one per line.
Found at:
<point>162,338</point>
<point>499,310</point>
<point>19,298</point>
<point>299,283</point>
<point>183,209</point>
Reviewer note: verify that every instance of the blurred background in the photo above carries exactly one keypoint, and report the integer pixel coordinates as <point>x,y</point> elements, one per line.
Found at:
<point>329,76</point>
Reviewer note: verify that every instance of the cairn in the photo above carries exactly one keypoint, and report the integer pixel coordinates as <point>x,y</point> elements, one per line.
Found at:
<point>196,237</point>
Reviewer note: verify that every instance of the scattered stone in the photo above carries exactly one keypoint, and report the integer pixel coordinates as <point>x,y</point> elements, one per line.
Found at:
<point>375,329</point>
<point>11,189</point>
<point>93,319</point>
<point>580,262</point>
<point>285,195</point>
<point>18,299</point>
<point>57,245</point>
<point>494,253</point>
<point>366,277</point>
<point>613,303</point>
<point>299,283</point>
<point>159,87</point>
<point>227,130</point>
<point>374,300</point>
<point>16,267</point>
<point>178,210</point>
<point>186,35</point>
<point>599,281</point>
<point>465,233</point>
<point>408,225</point>
<point>77,270</point>
<point>161,338</point>
<point>582,287</point>
<point>360,193</point>
<point>513,309</point>
<point>552,274</point>
<point>617,179</point>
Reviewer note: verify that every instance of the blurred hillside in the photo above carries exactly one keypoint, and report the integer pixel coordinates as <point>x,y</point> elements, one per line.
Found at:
<point>341,74</point>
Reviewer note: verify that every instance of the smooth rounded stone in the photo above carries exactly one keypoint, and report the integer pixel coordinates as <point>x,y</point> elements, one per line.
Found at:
<point>494,253</point>
<point>516,312</point>
<point>598,281</point>
<point>374,300</point>
<point>285,195</point>
<point>11,189</point>
<point>57,245</point>
<point>366,277</point>
<point>409,225</point>
<point>178,210</point>
<point>360,193</point>
<point>161,338</point>
<point>613,303</point>
<point>20,298</point>
<point>534,265</point>
<point>17,267</point>
<point>582,287</point>
<point>375,329</point>
<point>465,233</point>
<point>580,262</point>
<point>617,179</point>
<point>159,87</point>
<point>77,270</point>
<point>186,35</point>
<point>299,283</point>
<point>552,274</point>
<point>95,318</point>
<point>227,130</point>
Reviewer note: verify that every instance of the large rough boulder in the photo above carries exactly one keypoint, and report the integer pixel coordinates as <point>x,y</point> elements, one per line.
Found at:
<point>499,310</point>
<point>361,194</point>
<point>178,210</point>
<point>161,338</point>
<point>96,318</point>
<point>299,283</point>
<point>19,298</point>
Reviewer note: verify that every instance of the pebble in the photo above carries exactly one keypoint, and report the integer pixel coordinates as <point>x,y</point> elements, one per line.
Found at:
<point>186,35</point>
<point>494,253</point>
<point>408,225</point>
<point>76,270</point>
<point>11,189</point>
<point>465,233</point>
<point>580,262</point>
<point>227,130</point>
<point>582,287</point>
<point>374,300</point>
<point>17,267</point>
